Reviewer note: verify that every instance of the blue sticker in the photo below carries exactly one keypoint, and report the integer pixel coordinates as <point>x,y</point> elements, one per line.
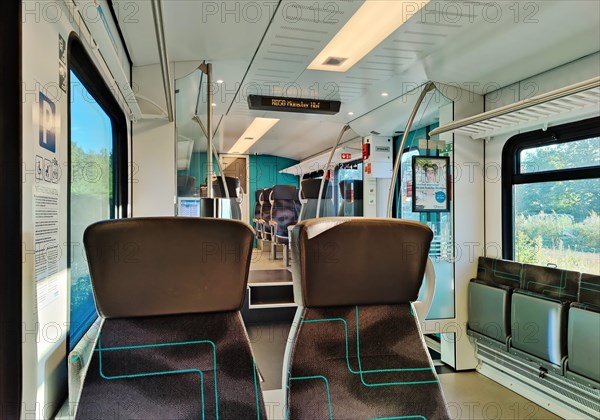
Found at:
<point>440,196</point>
<point>47,119</point>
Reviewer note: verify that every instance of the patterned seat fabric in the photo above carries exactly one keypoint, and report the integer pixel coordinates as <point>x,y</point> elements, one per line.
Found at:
<point>265,212</point>
<point>362,362</point>
<point>284,210</point>
<point>172,344</point>
<point>257,213</point>
<point>357,351</point>
<point>172,367</point>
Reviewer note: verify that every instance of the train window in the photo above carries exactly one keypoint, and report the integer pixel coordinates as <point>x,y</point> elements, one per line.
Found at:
<point>97,175</point>
<point>552,213</point>
<point>91,194</point>
<point>555,157</point>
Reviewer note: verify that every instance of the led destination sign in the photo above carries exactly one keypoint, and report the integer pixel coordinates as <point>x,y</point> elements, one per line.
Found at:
<point>306,106</point>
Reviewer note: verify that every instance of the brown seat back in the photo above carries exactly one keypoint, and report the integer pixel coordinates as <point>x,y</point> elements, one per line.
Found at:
<point>359,261</point>
<point>166,266</point>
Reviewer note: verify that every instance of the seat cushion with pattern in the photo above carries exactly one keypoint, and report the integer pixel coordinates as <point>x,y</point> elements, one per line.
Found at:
<point>172,367</point>
<point>362,362</point>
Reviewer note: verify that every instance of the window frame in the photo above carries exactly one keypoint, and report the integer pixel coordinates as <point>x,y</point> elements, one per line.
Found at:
<point>511,168</point>
<point>11,185</point>
<point>79,62</point>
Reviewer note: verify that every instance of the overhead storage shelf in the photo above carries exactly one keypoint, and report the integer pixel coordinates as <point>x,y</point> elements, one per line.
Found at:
<point>578,100</point>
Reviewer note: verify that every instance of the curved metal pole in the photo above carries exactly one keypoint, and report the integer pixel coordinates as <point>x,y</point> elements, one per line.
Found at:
<point>214,151</point>
<point>157,12</point>
<point>429,86</point>
<point>335,146</point>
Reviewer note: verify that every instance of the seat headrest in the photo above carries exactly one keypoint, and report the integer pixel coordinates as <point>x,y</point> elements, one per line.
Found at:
<point>354,185</point>
<point>285,192</point>
<point>257,194</point>
<point>185,185</point>
<point>232,186</point>
<point>310,189</point>
<point>358,261</point>
<point>266,195</point>
<point>168,265</point>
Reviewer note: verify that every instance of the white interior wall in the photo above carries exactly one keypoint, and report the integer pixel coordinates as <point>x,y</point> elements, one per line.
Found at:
<point>153,155</point>
<point>568,74</point>
<point>45,328</point>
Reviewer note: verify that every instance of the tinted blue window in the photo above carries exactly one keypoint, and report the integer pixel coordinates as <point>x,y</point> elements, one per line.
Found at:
<point>91,198</point>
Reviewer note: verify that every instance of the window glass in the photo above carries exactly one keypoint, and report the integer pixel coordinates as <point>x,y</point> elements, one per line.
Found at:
<point>558,223</point>
<point>91,197</point>
<point>442,251</point>
<point>575,154</point>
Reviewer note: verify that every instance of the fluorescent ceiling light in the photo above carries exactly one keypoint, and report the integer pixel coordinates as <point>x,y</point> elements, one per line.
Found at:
<point>253,133</point>
<point>373,22</point>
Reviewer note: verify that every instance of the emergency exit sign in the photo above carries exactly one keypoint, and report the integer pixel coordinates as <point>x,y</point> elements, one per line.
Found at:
<point>346,156</point>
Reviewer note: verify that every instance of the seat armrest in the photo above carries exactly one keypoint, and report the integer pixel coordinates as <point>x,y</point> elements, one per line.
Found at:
<point>422,307</point>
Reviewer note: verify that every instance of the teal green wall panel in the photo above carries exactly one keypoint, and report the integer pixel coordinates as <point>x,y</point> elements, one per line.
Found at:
<point>198,166</point>
<point>264,173</point>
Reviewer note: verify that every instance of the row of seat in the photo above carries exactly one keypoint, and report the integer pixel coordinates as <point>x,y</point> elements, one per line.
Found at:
<point>546,316</point>
<point>173,345</point>
<point>280,207</point>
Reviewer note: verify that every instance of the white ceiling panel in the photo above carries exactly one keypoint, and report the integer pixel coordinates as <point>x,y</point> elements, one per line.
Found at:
<point>471,43</point>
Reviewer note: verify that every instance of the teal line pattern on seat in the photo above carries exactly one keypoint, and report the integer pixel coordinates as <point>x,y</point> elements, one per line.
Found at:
<point>304,378</point>
<point>561,287</point>
<point>360,371</point>
<point>148,374</point>
<point>507,276</point>
<point>384,370</point>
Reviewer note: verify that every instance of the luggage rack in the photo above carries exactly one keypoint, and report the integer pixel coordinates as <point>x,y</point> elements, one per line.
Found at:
<point>580,100</point>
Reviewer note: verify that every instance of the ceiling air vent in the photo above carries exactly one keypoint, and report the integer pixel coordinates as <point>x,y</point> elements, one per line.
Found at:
<point>375,133</point>
<point>334,61</point>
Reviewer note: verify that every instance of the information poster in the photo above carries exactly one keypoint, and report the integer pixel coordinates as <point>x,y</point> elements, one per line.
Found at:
<point>430,183</point>
<point>47,249</point>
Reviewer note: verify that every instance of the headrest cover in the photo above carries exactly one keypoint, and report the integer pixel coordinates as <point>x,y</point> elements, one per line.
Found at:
<point>285,192</point>
<point>310,188</point>
<point>354,185</point>
<point>185,185</point>
<point>358,261</point>
<point>168,265</point>
<point>266,196</point>
<point>232,185</point>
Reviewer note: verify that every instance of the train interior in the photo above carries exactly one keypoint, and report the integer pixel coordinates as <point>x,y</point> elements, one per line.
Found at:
<point>314,123</point>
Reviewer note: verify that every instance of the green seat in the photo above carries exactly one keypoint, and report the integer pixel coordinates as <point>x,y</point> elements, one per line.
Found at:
<point>584,346</point>
<point>489,309</point>
<point>538,328</point>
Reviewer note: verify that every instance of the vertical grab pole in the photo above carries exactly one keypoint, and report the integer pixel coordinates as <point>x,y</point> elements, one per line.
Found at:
<point>209,114</point>
<point>214,150</point>
<point>344,129</point>
<point>428,87</point>
<point>157,13</point>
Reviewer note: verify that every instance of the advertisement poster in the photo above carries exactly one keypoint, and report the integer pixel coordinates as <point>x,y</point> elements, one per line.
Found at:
<point>430,183</point>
